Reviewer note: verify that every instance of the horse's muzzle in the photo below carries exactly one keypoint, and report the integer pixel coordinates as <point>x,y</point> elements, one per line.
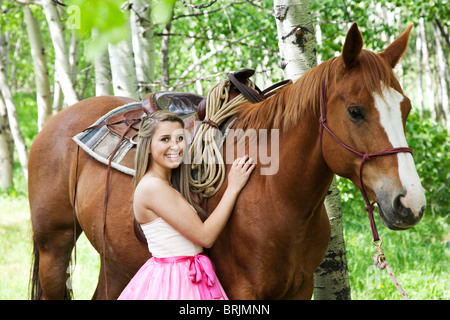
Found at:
<point>395,215</point>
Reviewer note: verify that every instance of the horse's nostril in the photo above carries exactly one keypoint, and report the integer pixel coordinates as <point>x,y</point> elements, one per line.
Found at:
<point>398,205</point>
<point>422,210</point>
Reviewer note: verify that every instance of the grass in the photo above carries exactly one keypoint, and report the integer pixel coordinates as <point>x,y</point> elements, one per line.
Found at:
<point>419,257</point>
<point>16,254</point>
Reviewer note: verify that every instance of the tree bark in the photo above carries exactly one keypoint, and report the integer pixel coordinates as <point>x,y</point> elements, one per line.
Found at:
<point>6,152</point>
<point>43,95</point>
<point>62,66</point>
<point>6,141</point>
<point>295,36</point>
<point>143,41</point>
<point>123,70</point>
<point>441,73</point>
<point>427,70</point>
<point>13,121</point>
<point>419,86</point>
<point>102,69</point>
<point>74,49</point>
<point>298,54</point>
<point>331,280</point>
<point>165,41</point>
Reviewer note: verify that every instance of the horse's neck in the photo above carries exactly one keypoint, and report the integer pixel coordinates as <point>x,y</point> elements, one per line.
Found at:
<point>303,170</point>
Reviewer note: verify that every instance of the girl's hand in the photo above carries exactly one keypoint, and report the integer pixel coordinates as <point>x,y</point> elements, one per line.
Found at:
<point>240,173</point>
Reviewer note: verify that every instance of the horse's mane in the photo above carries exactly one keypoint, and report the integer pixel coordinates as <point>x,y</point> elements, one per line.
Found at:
<point>285,108</point>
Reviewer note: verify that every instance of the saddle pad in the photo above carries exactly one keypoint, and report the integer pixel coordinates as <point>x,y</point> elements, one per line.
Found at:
<point>100,142</point>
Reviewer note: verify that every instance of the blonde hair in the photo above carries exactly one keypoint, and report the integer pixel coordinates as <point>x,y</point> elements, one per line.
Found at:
<point>180,175</point>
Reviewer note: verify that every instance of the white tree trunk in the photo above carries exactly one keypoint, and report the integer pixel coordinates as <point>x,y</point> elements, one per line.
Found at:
<point>442,67</point>
<point>123,70</point>
<point>73,55</point>
<point>62,65</point>
<point>419,87</point>
<point>6,152</point>
<point>331,280</point>
<point>298,54</point>
<point>13,121</point>
<point>6,141</point>
<point>143,42</point>
<point>165,41</point>
<point>102,69</point>
<point>43,95</point>
<point>295,36</point>
<point>429,84</point>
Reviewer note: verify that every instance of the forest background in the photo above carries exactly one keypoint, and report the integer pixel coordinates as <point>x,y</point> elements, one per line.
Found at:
<point>52,56</point>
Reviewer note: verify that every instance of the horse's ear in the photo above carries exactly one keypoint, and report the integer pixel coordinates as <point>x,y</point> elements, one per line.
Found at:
<point>352,46</point>
<point>396,49</point>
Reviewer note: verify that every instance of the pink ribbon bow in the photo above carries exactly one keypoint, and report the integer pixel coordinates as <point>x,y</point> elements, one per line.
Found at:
<point>201,272</point>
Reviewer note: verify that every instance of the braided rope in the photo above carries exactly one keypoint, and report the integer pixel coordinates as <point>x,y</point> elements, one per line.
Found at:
<point>379,260</point>
<point>205,151</point>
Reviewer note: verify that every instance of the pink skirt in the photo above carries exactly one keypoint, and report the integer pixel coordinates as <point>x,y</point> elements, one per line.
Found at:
<point>175,278</point>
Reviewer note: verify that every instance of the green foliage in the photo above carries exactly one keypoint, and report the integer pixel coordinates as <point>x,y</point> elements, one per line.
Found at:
<point>235,35</point>
<point>106,17</point>
<point>334,16</point>
<point>431,144</point>
<point>162,11</point>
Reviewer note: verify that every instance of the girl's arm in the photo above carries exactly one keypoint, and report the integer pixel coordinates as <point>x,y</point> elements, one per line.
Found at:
<point>155,198</point>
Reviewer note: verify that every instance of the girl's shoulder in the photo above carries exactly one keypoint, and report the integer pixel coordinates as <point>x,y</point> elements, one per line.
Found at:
<point>149,181</point>
<point>151,186</point>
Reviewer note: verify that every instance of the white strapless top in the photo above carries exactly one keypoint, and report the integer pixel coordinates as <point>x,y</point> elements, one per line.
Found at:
<point>164,241</point>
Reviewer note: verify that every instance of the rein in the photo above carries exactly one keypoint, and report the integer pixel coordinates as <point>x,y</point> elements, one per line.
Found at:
<point>364,156</point>
<point>379,258</point>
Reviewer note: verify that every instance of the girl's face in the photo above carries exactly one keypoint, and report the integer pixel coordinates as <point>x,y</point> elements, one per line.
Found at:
<point>168,145</point>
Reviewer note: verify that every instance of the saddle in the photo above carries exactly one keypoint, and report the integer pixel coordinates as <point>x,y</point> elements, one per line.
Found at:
<point>127,124</point>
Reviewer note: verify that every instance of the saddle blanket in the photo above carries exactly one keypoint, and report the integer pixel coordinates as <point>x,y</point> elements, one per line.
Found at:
<point>101,142</point>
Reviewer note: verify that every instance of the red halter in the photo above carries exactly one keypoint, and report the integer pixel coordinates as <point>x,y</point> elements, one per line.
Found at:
<point>365,158</point>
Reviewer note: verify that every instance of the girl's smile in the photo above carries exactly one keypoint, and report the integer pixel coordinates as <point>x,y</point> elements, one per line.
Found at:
<point>167,146</point>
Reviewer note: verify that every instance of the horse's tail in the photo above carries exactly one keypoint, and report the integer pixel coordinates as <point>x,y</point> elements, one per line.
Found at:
<point>36,289</point>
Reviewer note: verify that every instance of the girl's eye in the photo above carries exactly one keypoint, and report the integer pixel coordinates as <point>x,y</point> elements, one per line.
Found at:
<point>165,139</point>
<point>180,138</point>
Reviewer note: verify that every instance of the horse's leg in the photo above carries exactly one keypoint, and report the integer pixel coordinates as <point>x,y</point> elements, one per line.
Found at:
<point>54,240</point>
<point>50,181</point>
<point>114,283</point>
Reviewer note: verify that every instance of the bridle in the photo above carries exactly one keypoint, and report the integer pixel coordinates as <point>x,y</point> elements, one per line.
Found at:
<point>364,156</point>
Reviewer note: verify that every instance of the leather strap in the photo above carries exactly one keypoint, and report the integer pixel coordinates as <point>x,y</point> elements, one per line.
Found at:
<point>250,94</point>
<point>240,77</point>
<point>365,157</point>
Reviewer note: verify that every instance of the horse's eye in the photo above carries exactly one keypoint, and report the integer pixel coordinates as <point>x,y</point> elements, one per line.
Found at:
<point>355,113</point>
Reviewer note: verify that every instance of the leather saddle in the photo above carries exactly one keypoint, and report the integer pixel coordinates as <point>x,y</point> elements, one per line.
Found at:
<point>127,124</point>
<point>180,103</point>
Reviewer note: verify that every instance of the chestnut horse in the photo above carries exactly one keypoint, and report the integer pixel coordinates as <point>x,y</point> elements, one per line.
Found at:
<point>279,231</point>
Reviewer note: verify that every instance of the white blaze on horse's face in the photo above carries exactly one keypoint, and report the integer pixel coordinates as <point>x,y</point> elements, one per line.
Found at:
<point>388,106</point>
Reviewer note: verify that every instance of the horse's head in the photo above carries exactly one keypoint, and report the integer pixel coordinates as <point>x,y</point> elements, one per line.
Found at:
<point>367,110</point>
